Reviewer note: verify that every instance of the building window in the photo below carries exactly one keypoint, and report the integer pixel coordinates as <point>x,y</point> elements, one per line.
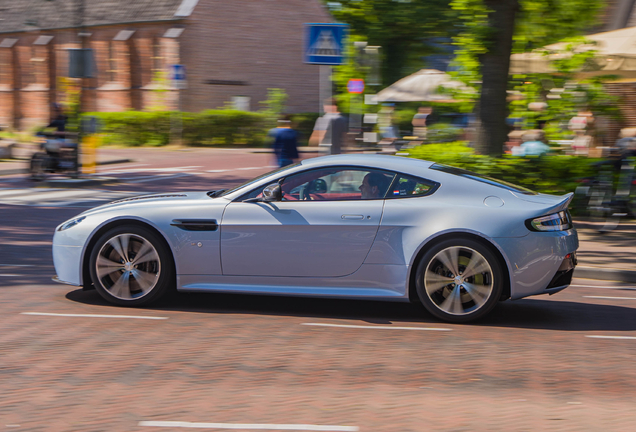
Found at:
<point>38,65</point>
<point>157,58</point>
<point>5,66</point>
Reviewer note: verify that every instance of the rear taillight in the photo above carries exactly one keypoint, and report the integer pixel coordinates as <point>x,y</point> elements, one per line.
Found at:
<point>560,221</point>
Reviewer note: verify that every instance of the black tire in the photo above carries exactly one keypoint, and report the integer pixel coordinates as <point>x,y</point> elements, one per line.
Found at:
<point>143,275</point>
<point>445,291</point>
<point>37,167</point>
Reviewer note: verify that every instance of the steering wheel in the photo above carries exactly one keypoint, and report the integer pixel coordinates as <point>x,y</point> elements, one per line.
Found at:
<point>304,192</point>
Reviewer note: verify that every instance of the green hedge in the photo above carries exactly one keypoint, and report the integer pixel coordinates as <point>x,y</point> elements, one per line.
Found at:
<point>210,127</point>
<point>553,174</point>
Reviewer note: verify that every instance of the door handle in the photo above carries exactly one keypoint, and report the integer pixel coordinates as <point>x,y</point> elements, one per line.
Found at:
<point>350,216</point>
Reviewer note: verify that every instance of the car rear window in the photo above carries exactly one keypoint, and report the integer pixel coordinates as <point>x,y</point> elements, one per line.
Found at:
<point>408,186</point>
<point>482,178</point>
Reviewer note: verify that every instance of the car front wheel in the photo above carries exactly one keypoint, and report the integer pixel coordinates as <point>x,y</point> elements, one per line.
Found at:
<point>459,280</point>
<point>131,266</point>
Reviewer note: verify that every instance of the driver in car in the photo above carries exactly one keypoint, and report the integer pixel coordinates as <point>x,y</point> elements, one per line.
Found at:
<point>374,185</point>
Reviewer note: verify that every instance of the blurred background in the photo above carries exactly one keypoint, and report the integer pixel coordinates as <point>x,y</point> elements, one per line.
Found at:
<point>107,99</point>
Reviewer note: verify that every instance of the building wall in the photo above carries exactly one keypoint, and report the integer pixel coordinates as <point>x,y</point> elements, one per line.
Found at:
<point>259,43</point>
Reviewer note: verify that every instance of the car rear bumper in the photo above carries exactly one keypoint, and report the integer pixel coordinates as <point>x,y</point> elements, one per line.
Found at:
<point>540,263</point>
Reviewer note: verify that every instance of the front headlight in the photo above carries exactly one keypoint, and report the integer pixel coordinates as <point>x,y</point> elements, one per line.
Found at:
<point>560,221</point>
<point>69,224</point>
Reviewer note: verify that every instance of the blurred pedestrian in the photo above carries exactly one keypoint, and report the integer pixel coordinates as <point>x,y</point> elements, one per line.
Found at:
<point>58,119</point>
<point>419,121</point>
<point>388,134</point>
<point>285,142</point>
<point>330,129</point>
<point>532,144</point>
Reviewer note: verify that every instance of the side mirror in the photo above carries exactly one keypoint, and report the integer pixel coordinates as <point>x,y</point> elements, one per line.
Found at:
<point>272,193</point>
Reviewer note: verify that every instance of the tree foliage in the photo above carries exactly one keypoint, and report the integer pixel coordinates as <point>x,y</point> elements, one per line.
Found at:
<point>403,28</point>
<point>484,47</point>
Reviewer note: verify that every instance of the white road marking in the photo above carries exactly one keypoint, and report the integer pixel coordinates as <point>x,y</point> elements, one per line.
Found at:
<point>16,265</point>
<point>57,197</point>
<point>377,327</point>
<point>158,177</point>
<point>249,426</point>
<point>610,337</point>
<point>611,298</point>
<point>605,287</point>
<point>94,315</point>
<point>9,275</point>
<point>242,169</point>
<point>170,169</point>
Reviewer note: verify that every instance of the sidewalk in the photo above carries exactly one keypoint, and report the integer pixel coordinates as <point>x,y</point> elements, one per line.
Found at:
<point>610,256</point>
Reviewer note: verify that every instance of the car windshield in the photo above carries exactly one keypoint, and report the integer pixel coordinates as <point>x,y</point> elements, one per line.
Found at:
<point>482,178</point>
<point>254,180</point>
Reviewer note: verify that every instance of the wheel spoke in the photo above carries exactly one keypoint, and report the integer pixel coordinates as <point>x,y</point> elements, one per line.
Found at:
<point>434,282</point>
<point>121,288</point>
<point>116,244</point>
<point>146,253</point>
<point>476,265</point>
<point>124,240</point>
<point>479,293</point>
<point>106,266</point>
<point>453,303</point>
<point>146,280</point>
<point>450,258</point>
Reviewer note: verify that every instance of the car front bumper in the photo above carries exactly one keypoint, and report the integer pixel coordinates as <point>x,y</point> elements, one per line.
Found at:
<point>67,260</point>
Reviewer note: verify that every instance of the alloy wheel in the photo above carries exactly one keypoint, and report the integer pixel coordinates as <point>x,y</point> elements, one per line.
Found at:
<point>458,280</point>
<point>128,266</point>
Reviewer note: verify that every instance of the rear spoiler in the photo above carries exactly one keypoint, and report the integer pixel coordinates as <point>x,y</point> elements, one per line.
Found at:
<point>562,205</point>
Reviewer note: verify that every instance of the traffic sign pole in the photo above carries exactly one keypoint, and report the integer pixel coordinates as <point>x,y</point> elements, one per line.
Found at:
<point>178,78</point>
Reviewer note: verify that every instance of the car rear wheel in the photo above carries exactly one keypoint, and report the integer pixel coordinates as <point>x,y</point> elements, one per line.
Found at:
<point>131,266</point>
<point>459,280</point>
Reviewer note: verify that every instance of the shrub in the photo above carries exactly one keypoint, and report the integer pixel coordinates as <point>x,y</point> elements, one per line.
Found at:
<point>553,174</point>
<point>227,127</point>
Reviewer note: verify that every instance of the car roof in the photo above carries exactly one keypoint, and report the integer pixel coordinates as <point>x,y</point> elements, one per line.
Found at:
<point>388,162</point>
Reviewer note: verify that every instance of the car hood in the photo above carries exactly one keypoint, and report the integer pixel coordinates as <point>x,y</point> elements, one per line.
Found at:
<point>175,198</point>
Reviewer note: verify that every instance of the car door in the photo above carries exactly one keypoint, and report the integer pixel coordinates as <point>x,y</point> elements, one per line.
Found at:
<point>321,228</point>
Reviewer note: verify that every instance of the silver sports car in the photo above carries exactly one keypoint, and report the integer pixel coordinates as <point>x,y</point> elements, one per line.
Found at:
<point>352,226</point>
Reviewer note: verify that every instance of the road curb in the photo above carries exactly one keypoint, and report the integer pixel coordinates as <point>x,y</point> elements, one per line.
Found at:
<point>607,274</point>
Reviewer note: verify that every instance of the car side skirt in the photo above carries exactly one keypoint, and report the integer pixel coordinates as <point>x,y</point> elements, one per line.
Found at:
<point>371,281</point>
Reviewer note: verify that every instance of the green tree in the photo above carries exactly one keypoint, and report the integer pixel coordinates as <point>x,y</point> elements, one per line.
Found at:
<point>491,31</point>
<point>402,28</point>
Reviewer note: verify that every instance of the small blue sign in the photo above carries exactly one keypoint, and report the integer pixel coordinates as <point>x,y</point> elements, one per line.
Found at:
<point>178,72</point>
<point>324,43</point>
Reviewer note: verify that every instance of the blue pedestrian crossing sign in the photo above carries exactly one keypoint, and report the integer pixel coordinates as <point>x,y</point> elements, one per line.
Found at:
<point>324,43</point>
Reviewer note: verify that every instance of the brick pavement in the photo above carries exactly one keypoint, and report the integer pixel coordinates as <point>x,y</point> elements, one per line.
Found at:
<point>232,359</point>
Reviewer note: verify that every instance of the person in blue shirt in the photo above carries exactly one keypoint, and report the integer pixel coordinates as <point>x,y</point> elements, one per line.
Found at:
<point>285,142</point>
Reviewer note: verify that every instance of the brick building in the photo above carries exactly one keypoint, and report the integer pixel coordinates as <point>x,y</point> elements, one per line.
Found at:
<point>231,50</point>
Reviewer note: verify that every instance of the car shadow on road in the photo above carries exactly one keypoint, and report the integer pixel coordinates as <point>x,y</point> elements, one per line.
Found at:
<point>541,314</point>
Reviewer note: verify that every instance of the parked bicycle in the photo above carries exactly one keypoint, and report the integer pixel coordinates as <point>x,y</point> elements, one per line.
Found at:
<point>597,198</point>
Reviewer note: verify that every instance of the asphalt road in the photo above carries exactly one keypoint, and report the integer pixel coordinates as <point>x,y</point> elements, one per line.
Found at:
<point>71,362</point>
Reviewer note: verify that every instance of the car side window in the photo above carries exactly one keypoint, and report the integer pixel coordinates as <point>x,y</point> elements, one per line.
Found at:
<point>409,186</point>
<point>337,184</point>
